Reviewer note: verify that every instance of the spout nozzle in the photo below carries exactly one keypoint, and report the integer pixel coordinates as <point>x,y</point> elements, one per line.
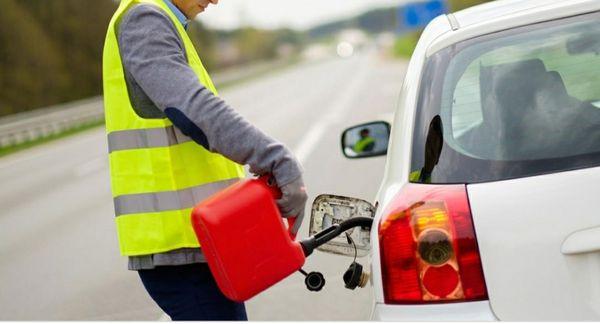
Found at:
<point>308,246</point>
<point>313,242</point>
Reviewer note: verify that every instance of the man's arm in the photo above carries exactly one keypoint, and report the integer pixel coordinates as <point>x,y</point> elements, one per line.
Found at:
<point>154,55</point>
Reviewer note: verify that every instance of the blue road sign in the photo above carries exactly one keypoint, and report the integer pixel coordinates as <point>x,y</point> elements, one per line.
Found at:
<point>417,15</point>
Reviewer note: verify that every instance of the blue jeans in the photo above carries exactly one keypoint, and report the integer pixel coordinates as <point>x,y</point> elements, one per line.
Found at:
<point>189,292</point>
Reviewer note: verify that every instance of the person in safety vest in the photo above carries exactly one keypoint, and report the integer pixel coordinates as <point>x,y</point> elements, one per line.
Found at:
<point>172,143</point>
<point>366,143</point>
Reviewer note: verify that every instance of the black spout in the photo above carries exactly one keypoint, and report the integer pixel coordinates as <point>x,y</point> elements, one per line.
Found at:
<point>313,242</point>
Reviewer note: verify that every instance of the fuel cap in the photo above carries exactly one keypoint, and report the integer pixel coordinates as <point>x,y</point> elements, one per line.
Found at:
<point>315,281</point>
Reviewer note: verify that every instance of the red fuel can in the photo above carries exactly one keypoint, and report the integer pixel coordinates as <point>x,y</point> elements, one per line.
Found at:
<point>243,236</point>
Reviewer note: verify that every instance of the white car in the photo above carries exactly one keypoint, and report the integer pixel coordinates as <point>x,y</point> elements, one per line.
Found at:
<point>490,204</point>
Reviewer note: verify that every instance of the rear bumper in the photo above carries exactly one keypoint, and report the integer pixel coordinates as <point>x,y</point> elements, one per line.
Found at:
<point>464,312</point>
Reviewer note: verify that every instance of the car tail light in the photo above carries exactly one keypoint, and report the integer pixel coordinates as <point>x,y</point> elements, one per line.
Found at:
<point>428,247</point>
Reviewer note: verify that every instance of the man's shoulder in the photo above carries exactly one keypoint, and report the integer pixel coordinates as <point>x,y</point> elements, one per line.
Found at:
<point>145,9</point>
<point>144,14</point>
<point>142,24</point>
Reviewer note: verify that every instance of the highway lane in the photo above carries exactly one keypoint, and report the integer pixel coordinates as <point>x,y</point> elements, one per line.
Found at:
<point>58,250</point>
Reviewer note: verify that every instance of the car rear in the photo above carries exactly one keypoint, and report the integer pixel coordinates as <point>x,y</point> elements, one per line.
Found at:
<point>500,219</point>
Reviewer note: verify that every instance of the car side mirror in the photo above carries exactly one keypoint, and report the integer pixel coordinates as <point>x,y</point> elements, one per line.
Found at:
<point>328,210</point>
<point>366,140</point>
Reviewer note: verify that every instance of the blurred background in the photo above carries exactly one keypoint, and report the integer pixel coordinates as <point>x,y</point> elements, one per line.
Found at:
<point>301,71</point>
<point>62,40</point>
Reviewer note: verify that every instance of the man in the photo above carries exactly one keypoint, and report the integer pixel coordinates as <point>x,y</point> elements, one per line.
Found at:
<point>173,142</point>
<point>366,143</point>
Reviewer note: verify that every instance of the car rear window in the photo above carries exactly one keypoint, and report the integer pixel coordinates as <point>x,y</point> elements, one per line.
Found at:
<point>517,103</point>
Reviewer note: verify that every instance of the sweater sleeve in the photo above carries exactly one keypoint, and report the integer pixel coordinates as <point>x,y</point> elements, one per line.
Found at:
<point>154,55</point>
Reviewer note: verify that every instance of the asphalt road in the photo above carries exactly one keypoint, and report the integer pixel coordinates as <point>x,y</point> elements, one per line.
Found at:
<point>59,257</point>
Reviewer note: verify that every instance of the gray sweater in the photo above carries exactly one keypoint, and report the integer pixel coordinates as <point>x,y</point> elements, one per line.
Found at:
<point>161,84</point>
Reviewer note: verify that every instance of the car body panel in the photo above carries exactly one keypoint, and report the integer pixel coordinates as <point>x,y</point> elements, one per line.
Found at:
<point>463,312</point>
<point>521,225</point>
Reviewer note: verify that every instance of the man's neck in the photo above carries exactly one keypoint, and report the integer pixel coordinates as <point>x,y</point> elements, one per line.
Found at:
<point>178,13</point>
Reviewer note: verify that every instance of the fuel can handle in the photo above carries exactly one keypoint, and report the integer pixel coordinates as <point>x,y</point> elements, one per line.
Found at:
<point>269,180</point>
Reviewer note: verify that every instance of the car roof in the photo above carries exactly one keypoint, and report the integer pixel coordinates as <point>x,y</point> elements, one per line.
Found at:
<point>493,10</point>
<point>500,15</point>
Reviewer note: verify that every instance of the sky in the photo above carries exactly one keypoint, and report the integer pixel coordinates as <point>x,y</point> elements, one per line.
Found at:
<point>299,14</point>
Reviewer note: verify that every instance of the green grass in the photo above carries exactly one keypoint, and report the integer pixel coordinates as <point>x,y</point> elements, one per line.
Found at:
<point>20,147</point>
<point>405,45</point>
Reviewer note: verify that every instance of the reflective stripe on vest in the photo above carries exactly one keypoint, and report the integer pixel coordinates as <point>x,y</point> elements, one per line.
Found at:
<point>169,200</point>
<point>157,173</point>
<point>145,138</point>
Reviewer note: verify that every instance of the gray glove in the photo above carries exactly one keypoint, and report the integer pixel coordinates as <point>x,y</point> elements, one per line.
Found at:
<point>293,201</point>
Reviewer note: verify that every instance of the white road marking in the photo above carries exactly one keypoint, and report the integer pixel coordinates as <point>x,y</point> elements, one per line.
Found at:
<point>335,114</point>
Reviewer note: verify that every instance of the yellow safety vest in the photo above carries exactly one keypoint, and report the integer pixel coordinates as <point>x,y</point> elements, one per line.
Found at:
<point>157,174</point>
<point>360,146</point>
<point>416,177</point>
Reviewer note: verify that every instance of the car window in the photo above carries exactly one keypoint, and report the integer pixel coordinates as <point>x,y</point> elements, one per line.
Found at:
<point>517,103</point>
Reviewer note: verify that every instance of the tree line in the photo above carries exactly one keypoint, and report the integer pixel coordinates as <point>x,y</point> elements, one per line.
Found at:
<point>51,51</point>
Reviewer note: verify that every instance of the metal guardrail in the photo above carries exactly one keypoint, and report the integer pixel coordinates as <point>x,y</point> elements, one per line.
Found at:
<point>29,126</point>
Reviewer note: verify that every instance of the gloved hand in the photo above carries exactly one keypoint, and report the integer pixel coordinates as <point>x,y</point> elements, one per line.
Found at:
<point>293,201</point>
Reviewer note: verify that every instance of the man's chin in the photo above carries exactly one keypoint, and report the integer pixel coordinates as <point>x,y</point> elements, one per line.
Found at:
<point>195,14</point>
